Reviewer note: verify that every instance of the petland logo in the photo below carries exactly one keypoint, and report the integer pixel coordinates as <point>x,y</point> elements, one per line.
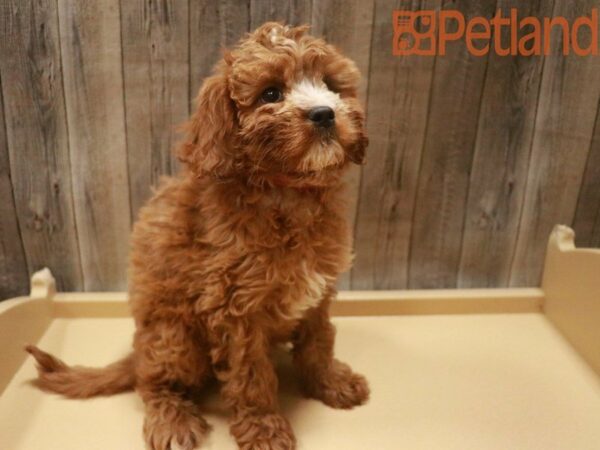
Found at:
<point>428,32</point>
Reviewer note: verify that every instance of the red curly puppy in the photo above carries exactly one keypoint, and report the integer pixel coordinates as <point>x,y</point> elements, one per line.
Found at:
<point>242,251</point>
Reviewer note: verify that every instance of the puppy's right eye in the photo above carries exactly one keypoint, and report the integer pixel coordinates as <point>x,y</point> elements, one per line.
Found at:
<point>271,95</point>
<point>330,83</point>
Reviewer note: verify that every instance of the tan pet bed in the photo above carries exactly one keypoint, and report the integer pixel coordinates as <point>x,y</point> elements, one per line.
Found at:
<point>451,369</point>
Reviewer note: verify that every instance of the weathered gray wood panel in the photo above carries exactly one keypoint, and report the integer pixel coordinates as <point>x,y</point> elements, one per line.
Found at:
<point>293,12</point>
<point>154,39</point>
<point>91,52</point>
<point>587,215</point>
<point>13,267</point>
<point>501,160</point>
<point>456,90</point>
<point>472,159</point>
<point>564,126</point>
<point>36,129</point>
<point>398,99</point>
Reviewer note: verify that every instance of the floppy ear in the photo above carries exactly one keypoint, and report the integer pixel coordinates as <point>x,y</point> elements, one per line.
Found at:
<point>356,154</point>
<point>207,147</point>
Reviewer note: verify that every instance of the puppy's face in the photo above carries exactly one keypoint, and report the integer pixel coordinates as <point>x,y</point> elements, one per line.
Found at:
<point>292,115</point>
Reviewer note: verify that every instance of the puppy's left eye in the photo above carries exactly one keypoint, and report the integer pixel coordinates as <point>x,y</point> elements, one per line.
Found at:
<point>331,84</point>
<point>271,95</point>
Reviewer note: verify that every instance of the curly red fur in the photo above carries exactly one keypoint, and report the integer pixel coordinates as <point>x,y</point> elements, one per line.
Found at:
<point>242,250</point>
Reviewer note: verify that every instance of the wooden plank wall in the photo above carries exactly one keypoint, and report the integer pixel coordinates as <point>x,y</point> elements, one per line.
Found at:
<point>498,172</point>
<point>472,159</point>
<point>37,144</point>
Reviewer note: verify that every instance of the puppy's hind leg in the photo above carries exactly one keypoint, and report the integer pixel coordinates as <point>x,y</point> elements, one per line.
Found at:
<point>171,362</point>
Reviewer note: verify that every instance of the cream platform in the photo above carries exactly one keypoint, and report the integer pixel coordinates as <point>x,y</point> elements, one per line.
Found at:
<point>505,369</point>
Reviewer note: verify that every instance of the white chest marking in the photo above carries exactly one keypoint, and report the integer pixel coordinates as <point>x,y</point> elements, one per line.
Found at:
<point>314,288</point>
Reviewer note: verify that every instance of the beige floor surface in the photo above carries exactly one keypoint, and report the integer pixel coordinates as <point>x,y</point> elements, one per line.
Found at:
<point>481,382</point>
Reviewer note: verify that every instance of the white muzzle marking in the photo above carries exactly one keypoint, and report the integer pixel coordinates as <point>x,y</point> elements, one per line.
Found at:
<point>307,94</point>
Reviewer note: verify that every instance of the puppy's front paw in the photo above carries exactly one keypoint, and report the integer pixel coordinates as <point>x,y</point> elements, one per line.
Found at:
<point>263,432</point>
<point>338,387</point>
<point>174,430</point>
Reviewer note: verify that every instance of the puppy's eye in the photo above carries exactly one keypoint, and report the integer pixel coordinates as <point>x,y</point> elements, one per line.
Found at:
<point>271,95</point>
<point>331,85</point>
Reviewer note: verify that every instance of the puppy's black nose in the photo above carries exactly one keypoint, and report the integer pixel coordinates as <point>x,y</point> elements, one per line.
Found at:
<point>322,116</point>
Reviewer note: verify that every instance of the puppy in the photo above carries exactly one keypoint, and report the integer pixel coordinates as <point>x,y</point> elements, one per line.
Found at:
<point>242,250</point>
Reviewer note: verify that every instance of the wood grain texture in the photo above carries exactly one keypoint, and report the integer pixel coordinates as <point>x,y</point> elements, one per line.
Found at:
<point>349,26</point>
<point>38,148</point>
<point>399,89</point>
<point>471,163</point>
<point>457,86</point>
<point>213,27</point>
<point>502,150</point>
<point>91,52</point>
<point>154,36</point>
<point>587,215</point>
<point>564,126</point>
<point>292,12</point>
<point>13,266</point>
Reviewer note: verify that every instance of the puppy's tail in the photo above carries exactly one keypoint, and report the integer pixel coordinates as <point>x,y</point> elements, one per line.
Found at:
<point>82,382</point>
